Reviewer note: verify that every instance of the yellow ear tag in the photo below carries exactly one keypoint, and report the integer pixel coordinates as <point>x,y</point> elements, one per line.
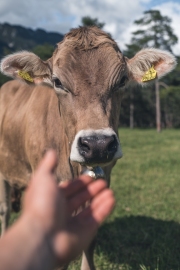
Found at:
<point>25,76</point>
<point>151,74</point>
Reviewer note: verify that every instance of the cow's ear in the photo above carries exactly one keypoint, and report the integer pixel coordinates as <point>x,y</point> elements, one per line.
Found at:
<point>26,66</point>
<point>149,64</point>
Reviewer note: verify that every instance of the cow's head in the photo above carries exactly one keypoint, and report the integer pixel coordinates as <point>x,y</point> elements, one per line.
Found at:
<point>89,72</point>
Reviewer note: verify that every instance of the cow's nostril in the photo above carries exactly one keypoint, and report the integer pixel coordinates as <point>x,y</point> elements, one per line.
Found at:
<point>84,145</point>
<point>112,147</point>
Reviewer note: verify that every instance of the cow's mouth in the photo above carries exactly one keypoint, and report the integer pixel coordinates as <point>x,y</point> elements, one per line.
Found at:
<point>94,172</point>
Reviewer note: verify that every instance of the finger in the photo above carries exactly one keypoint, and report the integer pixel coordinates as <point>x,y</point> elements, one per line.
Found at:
<point>86,193</point>
<point>82,228</point>
<point>70,188</point>
<point>44,172</point>
<point>81,231</point>
<point>102,206</point>
<point>43,183</point>
<point>48,162</point>
<point>99,209</point>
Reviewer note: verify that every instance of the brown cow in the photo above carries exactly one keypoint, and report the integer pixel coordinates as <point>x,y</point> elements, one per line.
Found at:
<point>71,103</point>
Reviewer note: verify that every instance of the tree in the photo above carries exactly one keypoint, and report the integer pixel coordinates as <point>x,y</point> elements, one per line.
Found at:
<point>3,79</point>
<point>173,78</point>
<point>143,112</point>
<point>170,99</point>
<point>44,51</point>
<point>88,21</point>
<point>154,31</point>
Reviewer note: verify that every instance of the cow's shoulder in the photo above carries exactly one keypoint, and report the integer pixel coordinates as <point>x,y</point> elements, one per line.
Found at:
<point>11,88</point>
<point>15,90</point>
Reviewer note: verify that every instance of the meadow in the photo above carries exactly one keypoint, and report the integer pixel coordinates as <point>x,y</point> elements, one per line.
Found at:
<point>143,233</point>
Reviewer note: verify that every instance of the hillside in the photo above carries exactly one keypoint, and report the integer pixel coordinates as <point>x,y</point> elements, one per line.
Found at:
<point>15,37</point>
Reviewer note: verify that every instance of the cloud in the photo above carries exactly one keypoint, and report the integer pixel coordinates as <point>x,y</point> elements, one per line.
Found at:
<point>35,14</point>
<point>172,10</point>
<point>60,16</point>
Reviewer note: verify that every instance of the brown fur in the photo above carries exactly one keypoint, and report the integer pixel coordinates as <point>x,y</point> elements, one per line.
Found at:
<point>85,38</point>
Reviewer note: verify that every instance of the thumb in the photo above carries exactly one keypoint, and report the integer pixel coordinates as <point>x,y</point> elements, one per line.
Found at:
<point>49,162</point>
<point>44,175</point>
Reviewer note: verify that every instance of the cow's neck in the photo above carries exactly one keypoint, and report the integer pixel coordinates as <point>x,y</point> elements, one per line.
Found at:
<point>66,169</point>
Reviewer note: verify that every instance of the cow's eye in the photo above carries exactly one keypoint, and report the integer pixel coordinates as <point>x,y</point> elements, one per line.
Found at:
<point>57,83</point>
<point>123,81</point>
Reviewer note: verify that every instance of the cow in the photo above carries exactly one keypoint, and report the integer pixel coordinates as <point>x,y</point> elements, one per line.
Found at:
<point>70,103</point>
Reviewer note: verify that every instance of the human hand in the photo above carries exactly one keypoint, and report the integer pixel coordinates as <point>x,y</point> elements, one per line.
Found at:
<point>49,207</point>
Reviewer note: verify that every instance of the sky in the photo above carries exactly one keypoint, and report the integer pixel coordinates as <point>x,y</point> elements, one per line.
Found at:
<point>61,15</point>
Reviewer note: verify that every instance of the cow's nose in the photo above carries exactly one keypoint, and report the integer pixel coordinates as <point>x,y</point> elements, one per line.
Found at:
<point>97,149</point>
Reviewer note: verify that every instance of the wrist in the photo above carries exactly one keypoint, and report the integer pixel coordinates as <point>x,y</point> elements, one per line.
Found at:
<point>26,246</point>
<point>39,237</point>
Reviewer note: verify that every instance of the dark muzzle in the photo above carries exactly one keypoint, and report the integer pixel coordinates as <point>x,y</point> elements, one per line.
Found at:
<point>97,149</point>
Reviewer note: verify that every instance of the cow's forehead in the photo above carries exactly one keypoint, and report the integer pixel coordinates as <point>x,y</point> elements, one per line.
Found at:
<point>103,55</point>
<point>87,42</point>
<point>86,38</point>
<point>102,66</point>
<point>90,55</point>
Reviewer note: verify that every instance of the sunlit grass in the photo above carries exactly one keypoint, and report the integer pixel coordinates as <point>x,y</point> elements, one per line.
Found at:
<point>143,233</point>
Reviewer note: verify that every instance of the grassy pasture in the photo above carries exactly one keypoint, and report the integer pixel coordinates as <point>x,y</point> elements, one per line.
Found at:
<point>143,233</point>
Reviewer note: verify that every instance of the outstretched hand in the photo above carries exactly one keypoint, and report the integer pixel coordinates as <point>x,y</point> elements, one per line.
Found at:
<point>50,206</point>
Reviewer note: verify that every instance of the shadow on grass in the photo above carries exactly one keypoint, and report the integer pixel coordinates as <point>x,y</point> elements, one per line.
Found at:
<point>138,240</point>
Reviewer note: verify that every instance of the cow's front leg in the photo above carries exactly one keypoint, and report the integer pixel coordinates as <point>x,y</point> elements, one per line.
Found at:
<point>5,206</point>
<point>88,257</point>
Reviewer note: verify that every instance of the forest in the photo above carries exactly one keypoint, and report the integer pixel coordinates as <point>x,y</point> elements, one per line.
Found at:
<point>140,106</point>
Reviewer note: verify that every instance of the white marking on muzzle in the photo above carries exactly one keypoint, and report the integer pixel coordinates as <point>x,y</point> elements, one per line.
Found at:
<point>77,157</point>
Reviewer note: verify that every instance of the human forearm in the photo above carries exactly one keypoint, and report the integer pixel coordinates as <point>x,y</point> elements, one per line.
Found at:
<point>25,246</point>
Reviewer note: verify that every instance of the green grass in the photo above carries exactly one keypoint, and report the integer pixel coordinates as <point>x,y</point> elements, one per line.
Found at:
<point>143,233</point>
